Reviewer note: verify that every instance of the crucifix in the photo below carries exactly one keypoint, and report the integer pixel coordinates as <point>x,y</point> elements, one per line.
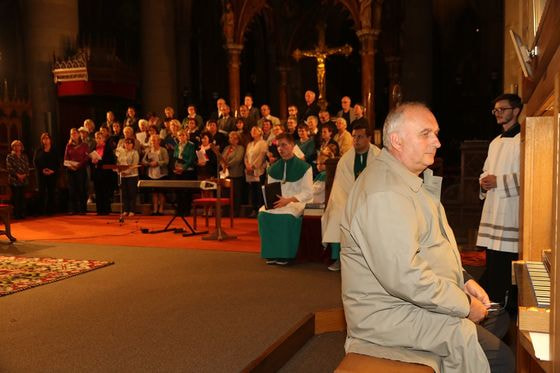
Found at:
<point>320,53</point>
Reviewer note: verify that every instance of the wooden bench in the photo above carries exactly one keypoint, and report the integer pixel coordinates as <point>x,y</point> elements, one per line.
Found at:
<point>326,321</point>
<point>357,363</point>
<point>5,211</point>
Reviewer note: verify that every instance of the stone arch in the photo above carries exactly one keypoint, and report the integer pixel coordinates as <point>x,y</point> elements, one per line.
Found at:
<point>248,9</point>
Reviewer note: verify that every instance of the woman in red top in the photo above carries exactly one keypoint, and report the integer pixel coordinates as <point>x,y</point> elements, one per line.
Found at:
<point>75,160</point>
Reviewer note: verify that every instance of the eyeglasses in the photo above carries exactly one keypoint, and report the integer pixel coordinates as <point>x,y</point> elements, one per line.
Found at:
<point>500,110</point>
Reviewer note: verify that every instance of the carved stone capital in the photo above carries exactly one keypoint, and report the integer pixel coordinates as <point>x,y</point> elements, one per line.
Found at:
<point>233,48</point>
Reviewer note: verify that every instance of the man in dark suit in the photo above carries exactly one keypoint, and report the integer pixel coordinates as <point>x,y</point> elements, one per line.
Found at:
<point>347,111</point>
<point>226,123</point>
<point>254,113</point>
<point>219,113</point>
<point>311,106</point>
<point>361,120</point>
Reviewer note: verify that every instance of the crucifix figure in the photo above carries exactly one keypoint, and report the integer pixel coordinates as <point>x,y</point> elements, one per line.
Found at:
<point>320,53</point>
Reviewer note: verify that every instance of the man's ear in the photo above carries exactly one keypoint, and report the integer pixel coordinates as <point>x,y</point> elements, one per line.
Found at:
<point>516,112</point>
<point>396,141</point>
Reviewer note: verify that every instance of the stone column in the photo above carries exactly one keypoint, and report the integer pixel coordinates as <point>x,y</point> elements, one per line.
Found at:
<point>234,61</point>
<point>367,41</point>
<point>51,26</point>
<point>283,93</point>
<point>159,68</point>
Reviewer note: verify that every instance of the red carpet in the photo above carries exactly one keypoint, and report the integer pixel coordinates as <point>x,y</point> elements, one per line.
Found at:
<point>106,230</point>
<point>473,258</point>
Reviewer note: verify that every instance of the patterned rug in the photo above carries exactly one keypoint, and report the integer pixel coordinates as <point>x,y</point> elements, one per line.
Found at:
<point>18,273</point>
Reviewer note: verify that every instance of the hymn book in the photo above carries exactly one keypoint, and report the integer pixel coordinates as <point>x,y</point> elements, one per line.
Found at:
<point>270,194</point>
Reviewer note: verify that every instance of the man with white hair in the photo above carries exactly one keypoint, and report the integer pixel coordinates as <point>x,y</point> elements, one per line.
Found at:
<point>347,111</point>
<point>311,106</point>
<point>406,296</point>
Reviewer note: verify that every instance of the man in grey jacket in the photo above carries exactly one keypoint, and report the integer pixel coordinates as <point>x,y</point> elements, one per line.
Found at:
<point>405,293</point>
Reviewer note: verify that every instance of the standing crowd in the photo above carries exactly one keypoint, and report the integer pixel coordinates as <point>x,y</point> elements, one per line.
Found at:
<point>98,160</point>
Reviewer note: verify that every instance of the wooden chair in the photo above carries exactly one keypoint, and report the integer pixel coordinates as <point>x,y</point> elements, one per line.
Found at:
<point>5,211</point>
<point>208,202</point>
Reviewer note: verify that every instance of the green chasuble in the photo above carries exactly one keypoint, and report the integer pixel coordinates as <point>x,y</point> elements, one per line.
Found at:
<point>280,232</point>
<point>291,170</point>
<point>360,162</point>
<point>279,235</point>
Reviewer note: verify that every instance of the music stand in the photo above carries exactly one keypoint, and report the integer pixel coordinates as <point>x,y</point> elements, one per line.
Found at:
<point>219,234</point>
<point>119,169</point>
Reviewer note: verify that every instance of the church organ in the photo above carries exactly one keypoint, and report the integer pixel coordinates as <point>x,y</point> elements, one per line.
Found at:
<point>540,174</point>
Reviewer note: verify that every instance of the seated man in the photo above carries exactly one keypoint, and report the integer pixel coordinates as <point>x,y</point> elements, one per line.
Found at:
<point>280,227</point>
<point>404,291</point>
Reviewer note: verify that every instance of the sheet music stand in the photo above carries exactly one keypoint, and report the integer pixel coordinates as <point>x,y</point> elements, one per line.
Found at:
<point>219,234</point>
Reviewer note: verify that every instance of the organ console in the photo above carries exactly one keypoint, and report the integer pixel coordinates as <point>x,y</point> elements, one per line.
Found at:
<point>536,273</point>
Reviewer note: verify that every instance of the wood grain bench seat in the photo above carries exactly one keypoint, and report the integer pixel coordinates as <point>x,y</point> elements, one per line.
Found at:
<point>358,363</point>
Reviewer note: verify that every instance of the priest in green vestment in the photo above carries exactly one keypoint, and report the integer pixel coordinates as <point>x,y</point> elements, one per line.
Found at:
<point>280,227</point>
<point>349,167</point>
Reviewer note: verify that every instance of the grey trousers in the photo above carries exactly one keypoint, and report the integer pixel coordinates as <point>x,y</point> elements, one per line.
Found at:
<point>490,333</point>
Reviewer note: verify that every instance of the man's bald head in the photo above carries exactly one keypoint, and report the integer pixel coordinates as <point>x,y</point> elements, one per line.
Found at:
<point>410,135</point>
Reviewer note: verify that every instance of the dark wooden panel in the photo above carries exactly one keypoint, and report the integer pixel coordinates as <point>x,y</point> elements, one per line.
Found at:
<point>274,357</point>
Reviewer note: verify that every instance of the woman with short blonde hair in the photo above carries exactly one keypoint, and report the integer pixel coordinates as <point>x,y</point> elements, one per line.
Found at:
<point>156,160</point>
<point>255,167</point>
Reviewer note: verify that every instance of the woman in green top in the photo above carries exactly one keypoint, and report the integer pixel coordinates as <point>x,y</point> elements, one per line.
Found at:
<point>306,144</point>
<point>184,168</point>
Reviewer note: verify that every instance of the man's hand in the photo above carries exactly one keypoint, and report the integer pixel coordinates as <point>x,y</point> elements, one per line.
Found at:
<point>478,311</point>
<point>488,182</point>
<point>283,201</point>
<point>476,291</point>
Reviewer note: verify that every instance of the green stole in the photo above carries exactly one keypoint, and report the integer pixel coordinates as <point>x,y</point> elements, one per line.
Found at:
<point>321,176</point>
<point>360,162</point>
<point>294,169</point>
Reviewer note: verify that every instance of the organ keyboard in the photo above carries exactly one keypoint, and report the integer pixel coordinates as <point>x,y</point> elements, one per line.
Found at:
<point>533,281</point>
